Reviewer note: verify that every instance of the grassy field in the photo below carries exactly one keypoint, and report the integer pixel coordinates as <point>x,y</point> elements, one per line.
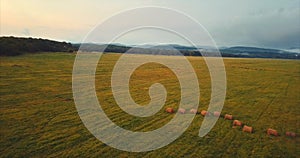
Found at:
<point>38,117</point>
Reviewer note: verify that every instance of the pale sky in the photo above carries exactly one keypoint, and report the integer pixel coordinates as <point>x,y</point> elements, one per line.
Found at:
<point>263,23</point>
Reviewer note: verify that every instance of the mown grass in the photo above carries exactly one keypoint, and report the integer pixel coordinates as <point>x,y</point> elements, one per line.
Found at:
<point>38,117</point>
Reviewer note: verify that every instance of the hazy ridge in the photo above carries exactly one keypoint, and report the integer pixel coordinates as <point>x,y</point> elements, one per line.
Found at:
<point>11,46</point>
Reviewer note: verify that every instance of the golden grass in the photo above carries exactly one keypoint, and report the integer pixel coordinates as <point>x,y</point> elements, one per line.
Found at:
<point>38,116</point>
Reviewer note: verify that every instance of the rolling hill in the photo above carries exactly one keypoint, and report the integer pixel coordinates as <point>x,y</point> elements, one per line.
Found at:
<point>11,46</point>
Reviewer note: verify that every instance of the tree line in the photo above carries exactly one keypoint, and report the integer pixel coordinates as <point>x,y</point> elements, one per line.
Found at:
<point>12,46</point>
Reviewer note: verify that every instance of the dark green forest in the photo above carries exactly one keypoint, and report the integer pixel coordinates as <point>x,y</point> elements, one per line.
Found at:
<point>12,46</point>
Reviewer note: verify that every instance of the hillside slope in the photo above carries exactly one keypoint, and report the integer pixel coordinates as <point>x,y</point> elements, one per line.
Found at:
<point>11,46</point>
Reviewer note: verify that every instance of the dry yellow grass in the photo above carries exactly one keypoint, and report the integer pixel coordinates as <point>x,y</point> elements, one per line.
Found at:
<point>38,116</point>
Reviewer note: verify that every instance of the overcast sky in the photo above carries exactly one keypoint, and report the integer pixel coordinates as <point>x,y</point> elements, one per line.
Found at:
<point>263,23</point>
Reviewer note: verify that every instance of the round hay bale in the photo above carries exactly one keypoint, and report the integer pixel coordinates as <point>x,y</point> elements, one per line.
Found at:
<point>181,110</point>
<point>247,129</point>
<point>272,132</point>
<point>237,123</point>
<point>290,134</point>
<point>227,116</point>
<point>169,110</point>
<point>217,114</point>
<point>204,113</point>
<point>193,111</point>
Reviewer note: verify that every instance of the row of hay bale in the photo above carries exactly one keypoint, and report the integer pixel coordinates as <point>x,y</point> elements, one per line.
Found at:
<point>236,123</point>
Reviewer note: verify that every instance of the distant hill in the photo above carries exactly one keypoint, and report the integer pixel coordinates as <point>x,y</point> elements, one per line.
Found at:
<point>166,46</point>
<point>11,46</point>
<point>254,52</point>
<point>91,47</point>
<point>238,51</point>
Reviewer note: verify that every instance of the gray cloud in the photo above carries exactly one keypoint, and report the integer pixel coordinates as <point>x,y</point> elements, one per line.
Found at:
<point>265,23</point>
<point>277,27</point>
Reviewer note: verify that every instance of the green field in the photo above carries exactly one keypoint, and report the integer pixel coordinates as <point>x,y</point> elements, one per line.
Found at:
<point>38,116</point>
